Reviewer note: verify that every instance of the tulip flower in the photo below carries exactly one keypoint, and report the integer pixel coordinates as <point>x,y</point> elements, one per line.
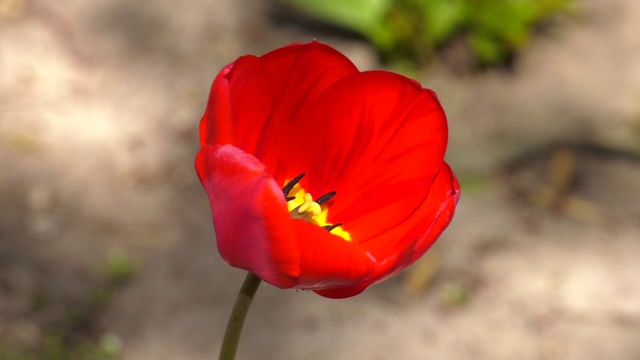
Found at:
<point>319,176</point>
<point>322,177</point>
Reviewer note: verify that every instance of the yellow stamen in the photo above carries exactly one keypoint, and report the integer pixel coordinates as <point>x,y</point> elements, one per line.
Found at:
<point>303,207</point>
<point>309,206</point>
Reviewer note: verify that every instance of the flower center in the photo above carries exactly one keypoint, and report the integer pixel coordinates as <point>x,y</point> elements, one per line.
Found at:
<point>302,206</point>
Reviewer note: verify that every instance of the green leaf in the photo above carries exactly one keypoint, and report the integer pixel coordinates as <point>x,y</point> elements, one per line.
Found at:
<point>363,16</point>
<point>443,18</point>
<point>488,49</point>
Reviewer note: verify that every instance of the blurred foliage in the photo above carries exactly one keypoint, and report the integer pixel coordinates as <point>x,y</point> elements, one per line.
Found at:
<point>54,347</point>
<point>474,183</point>
<point>455,295</point>
<point>118,270</point>
<point>119,267</point>
<point>413,30</point>
<point>76,336</point>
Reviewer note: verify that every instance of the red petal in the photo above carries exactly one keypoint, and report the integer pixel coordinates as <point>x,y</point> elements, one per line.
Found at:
<point>342,292</point>
<point>402,245</point>
<point>327,260</point>
<point>252,225</point>
<point>441,205</point>
<point>300,74</point>
<point>239,105</point>
<point>216,125</point>
<point>378,140</point>
<point>253,101</point>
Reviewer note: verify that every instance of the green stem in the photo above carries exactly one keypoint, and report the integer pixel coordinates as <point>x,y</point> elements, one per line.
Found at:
<point>238,314</point>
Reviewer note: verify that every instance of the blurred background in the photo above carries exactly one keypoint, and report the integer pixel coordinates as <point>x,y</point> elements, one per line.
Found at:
<point>107,249</point>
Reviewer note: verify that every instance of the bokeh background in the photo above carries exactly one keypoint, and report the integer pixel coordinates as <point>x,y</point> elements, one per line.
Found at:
<point>107,249</point>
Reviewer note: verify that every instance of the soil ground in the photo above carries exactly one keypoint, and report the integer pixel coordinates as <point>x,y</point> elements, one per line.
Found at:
<point>106,236</point>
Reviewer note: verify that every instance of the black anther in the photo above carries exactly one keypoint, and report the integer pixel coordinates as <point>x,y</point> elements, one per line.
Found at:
<point>326,197</point>
<point>331,227</point>
<point>289,198</point>
<point>287,188</point>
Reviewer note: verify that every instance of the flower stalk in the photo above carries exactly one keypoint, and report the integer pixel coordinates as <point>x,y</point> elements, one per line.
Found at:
<point>238,315</point>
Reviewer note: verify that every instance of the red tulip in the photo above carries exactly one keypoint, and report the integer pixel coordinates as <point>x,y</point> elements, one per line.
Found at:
<point>368,146</point>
